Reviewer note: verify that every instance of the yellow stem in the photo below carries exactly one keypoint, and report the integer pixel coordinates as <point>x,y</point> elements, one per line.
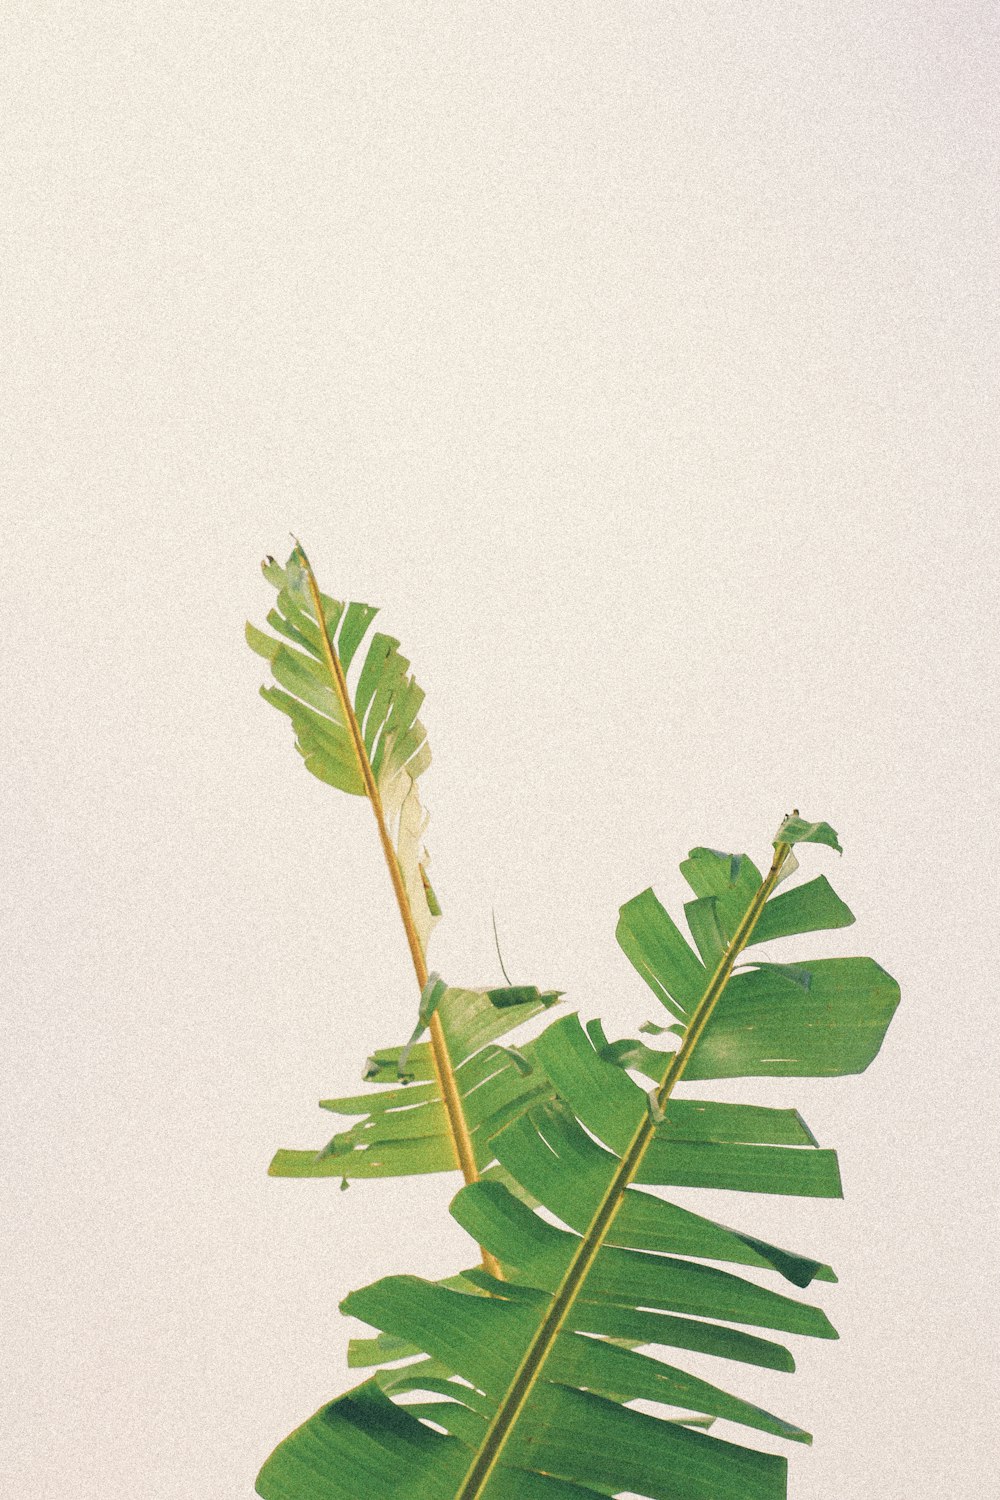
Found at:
<point>465,1157</point>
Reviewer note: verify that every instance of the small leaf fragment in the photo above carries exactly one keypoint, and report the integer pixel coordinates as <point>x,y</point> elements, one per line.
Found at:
<point>430,998</point>
<point>795,830</point>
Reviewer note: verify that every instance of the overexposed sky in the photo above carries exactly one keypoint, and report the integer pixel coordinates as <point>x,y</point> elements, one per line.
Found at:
<point>641,361</point>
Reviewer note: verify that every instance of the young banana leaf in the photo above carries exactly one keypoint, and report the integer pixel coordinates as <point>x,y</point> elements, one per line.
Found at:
<point>523,1382</point>
<point>367,740</point>
<point>369,743</point>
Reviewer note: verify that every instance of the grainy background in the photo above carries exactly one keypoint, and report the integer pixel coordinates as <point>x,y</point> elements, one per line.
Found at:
<point>640,360</point>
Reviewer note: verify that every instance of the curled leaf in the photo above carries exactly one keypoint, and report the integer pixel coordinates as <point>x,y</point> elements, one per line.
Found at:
<point>795,830</point>
<point>521,1063</point>
<point>430,997</point>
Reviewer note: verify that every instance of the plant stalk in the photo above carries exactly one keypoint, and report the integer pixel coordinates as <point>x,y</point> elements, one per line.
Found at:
<point>465,1157</point>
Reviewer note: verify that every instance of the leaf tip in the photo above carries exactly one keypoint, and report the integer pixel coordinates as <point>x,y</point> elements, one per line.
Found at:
<point>796,830</point>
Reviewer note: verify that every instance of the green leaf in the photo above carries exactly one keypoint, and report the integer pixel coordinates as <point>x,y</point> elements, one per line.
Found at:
<point>521,994</point>
<point>531,1374</point>
<point>430,997</point>
<point>652,940</point>
<point>631,1053</point>
<point>403,1129</point>
<point>563,1167</point>
<point>725,884</point>
<point>705,921</point>
<point>795,830</point>
<point>366,739</point>
<point>477,1338</point>
<point>766,1024</point>
<point>355,1445</point>
<point>806,908</point>
<point>385,704</point>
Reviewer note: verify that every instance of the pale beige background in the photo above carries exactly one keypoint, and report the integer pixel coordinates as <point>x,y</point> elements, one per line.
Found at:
<point>640,360</point>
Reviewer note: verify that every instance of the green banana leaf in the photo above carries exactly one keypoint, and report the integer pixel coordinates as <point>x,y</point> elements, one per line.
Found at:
<point>384,704</point>
<point>521,1382</point>
<point>403,1126</point>
<point>362,735</point>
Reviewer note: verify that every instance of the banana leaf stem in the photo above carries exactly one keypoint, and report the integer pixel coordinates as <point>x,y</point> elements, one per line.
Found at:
<point>444,1071</point>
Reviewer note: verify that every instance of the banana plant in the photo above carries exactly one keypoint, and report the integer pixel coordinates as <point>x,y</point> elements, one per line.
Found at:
<point>523,1368</point>
<point>357,729</point>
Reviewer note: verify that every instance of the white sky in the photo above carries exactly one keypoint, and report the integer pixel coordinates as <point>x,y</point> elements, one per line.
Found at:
<point>640,361</point>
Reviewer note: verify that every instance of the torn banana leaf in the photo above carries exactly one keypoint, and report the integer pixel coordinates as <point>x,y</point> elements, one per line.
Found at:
<point>384,704</point>
<point>402,1127</point>
<point>529,1377</point>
